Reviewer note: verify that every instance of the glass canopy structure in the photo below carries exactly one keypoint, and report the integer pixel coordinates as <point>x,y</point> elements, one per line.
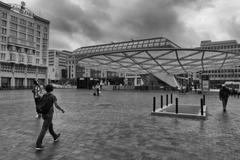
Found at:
<point>158,56</point>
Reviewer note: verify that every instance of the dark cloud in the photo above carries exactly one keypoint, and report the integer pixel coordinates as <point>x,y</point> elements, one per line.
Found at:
<point>104,21</point>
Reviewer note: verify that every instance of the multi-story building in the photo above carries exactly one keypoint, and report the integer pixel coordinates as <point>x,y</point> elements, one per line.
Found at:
<point>218,77</point>
<point>24,40</point>
<point>57,64</point>
<point>71,68</point>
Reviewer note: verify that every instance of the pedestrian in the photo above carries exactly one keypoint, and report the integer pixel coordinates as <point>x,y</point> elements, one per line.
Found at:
<point>47,111</point>
<point>223,96</point>
<point>37,94</point>
<point>97,87</point>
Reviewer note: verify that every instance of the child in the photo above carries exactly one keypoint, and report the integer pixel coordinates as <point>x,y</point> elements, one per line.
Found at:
<point>47,116</point>
<point>37,94</point>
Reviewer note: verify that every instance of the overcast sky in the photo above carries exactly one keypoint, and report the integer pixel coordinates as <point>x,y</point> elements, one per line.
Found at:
<point>78,23</point>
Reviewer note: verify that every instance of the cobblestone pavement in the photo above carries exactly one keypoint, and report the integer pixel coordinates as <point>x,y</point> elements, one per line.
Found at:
<point>118,126</point>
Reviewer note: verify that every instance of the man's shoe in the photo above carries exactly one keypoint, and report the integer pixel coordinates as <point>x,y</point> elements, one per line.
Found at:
<point>57,137</point>
<point>224,110</point>
<point>39,148</point>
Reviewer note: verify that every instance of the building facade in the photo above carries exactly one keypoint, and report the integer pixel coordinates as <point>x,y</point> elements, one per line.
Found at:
<point>58,65</point>
<point>24,45</point>
<point>218,77</point>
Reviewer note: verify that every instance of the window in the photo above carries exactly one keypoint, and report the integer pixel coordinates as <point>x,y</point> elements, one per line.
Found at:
<point>30,31</point>
<point>13,33</point>
<point>12,57</point>
<point>4,31</point>
<point>45,41</point>
<point>13,26</point>
<point>37,61</point>
<point>38,33</point>
<point>3,47</point>
<point>4,39</point>
<point>23,22</point>
<point>44,54</point>
<point>22,29</point>
<point>30,38</point>
<point>4,23</point>
<point>38,27</point>
<point>29,59</point>
<point>38,40</point>
<point>4,15</point>
<point>38,47</point>
<point>37,53</point>
<point>44,61</point>
<point>45,29</point>
<point>30,24</point>
<point>3,56</point>
<point>44,47</point>
<point>21,58</point>
<point>22,36</point>
<point>14,19</point>
<point>45,36</point>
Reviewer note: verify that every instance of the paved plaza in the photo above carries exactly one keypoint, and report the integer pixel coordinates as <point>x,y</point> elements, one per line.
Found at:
<point>118,126</point>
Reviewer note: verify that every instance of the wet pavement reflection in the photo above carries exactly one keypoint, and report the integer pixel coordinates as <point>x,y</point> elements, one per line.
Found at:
<point>118,125</point>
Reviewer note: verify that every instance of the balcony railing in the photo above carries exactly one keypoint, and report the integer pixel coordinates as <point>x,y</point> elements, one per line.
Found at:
<point>21,41</point>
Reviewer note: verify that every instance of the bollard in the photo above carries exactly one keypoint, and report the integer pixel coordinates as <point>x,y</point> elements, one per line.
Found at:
<point>204,100</point>
<point>201,102</point>
<point>167,100</point>
<point>171,98</point>
<point>161,101</point>
<point>154,104</point>
<point>176,105</point>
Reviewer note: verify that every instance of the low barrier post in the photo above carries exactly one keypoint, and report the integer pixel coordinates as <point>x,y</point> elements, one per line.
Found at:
<point>176,105</point>
<point>161,101</point>
<point>201,102</point>
<point>204,102</point>
<point>167,100</point>
<point>154,104</point>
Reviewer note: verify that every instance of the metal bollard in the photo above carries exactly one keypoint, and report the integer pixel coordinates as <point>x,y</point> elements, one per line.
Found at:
<point>167,100</point>
<point>171,98</point>
<point>154,104</point>
<point>176,105</point>
<point>201,102</point>
<point>161,101</point>
<point>204,102</point>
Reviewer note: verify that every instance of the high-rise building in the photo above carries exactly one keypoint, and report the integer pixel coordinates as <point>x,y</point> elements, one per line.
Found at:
<point>219,76</point>
<point>57,64</point>
<point>24,41</point>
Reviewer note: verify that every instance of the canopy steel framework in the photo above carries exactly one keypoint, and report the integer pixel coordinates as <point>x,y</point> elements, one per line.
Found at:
<point>158,56</point>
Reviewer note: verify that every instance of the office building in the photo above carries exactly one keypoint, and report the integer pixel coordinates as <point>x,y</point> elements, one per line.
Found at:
<point>24,45</point>
<point>219,76</point>
<point>58,64</point>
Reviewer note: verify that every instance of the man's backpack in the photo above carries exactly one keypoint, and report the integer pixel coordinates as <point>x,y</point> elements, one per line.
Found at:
<point>45,104</point>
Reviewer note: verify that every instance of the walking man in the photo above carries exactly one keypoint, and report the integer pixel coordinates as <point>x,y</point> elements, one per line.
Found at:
<point>223,96</point>
<point>37,94</point>
<point>46,108</point>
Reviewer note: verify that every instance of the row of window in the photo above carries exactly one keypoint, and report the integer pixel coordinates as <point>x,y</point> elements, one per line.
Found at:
<point>22,35</point>
<point>224,76</point>
<point>221,47</point>
<point>21,58</point>
<point>23,22</point>
<point>23,50</point>
<point>222,71</point>
<point>22,69</point>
